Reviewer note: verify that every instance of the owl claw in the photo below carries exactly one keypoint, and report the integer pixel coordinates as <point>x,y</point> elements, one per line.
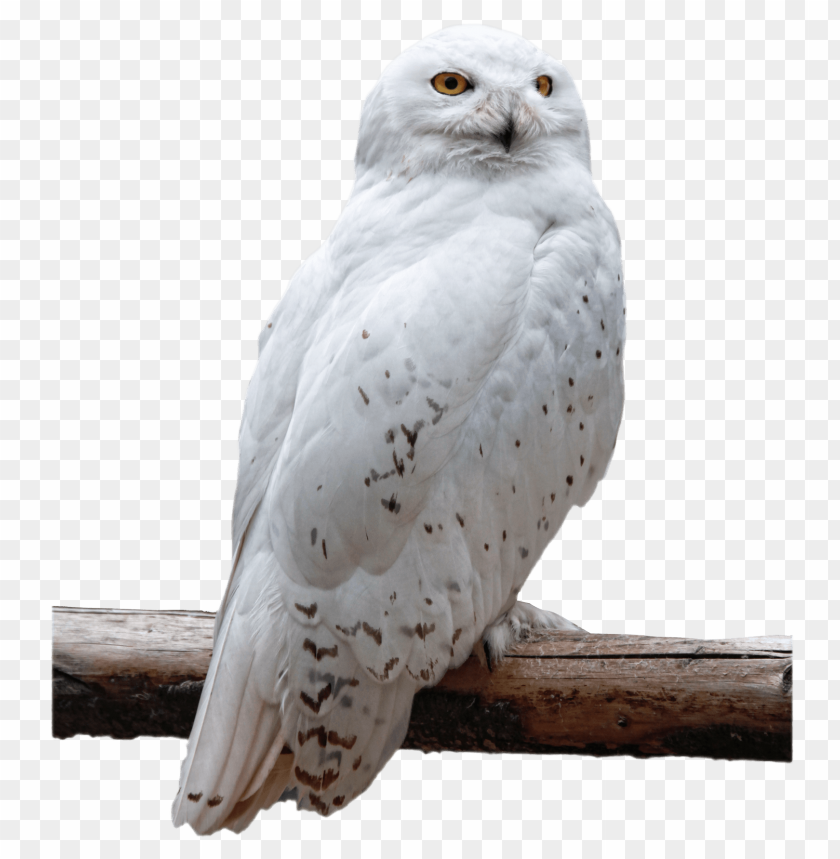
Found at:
<point>517,624</point>
<point>482,654</point>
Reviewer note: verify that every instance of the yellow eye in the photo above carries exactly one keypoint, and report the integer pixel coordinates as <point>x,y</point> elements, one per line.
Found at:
<point>543,85</point>
<point>450,83</point>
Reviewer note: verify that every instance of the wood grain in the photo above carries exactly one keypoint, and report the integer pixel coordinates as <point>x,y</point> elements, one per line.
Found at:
<point>130,673</point>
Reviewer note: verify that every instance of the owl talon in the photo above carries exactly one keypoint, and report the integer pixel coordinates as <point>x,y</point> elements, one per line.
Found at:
<point>518,624</point>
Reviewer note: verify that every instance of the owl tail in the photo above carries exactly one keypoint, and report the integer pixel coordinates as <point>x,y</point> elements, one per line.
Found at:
<point>234,765</point>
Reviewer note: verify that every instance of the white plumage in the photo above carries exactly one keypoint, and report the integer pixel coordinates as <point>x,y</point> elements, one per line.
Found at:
<point>442,382</point>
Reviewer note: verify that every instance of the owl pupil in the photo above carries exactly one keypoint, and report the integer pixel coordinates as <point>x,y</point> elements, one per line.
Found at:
<point>451,83</point>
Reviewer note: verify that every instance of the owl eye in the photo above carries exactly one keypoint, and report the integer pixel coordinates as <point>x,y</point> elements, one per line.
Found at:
<point>543,85</point>
<point>450,83</point>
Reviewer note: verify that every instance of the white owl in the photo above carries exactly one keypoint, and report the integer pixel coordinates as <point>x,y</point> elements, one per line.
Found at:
<point>442,382</point>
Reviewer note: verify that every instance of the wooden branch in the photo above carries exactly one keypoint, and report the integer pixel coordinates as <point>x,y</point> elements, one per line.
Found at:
<point>125,674</point>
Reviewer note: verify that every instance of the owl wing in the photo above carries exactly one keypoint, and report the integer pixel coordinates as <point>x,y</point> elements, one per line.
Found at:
<point>322,638</point>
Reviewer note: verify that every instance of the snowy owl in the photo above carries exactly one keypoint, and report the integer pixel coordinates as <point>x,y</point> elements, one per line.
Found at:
<point>442,382</point>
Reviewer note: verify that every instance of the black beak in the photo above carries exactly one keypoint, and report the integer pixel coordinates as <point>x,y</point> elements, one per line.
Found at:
<point>506,137</point>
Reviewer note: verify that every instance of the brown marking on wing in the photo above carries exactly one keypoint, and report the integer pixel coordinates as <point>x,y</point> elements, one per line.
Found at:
<point>421,631</point>
<point>375,634</point>
<point>318,804</point>
<point>320,732</point>
<point>394,660</point>
<point>308,610</point>
<point>350,630</point>
<point>216,800</point>
<point>316,782</point>
<point>194,797</point>
<point>398,464</point>
<point>320,652</point>
<point>314,705</point>
<point>345,742</point>
<point>364,396</point>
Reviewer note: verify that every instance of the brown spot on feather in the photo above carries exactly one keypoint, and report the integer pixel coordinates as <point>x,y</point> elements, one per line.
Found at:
<point>320,652</point>
<point>314,705</point>
<point>321,782</point>
<point>345,742</point>
<point>375,634</point>
<point>320,733</point>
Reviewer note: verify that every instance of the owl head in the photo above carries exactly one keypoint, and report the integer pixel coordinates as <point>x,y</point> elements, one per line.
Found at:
<point>472,98</point>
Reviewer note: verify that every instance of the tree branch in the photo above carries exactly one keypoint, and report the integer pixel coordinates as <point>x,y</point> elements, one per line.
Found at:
<point>125,674</point>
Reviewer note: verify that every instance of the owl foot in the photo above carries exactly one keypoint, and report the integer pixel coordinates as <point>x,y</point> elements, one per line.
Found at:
<point>517,624</point>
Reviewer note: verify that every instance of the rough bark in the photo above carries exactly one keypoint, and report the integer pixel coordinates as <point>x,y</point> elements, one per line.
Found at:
<point>125,674</point>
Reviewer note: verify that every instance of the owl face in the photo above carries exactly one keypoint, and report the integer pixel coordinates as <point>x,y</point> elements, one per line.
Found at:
<point>472,98</point>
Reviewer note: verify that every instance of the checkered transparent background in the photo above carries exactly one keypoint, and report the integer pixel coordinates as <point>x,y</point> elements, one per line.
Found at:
<point>165,168</point>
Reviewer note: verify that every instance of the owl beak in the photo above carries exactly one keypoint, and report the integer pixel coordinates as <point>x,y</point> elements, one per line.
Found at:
<point>506,136</point>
